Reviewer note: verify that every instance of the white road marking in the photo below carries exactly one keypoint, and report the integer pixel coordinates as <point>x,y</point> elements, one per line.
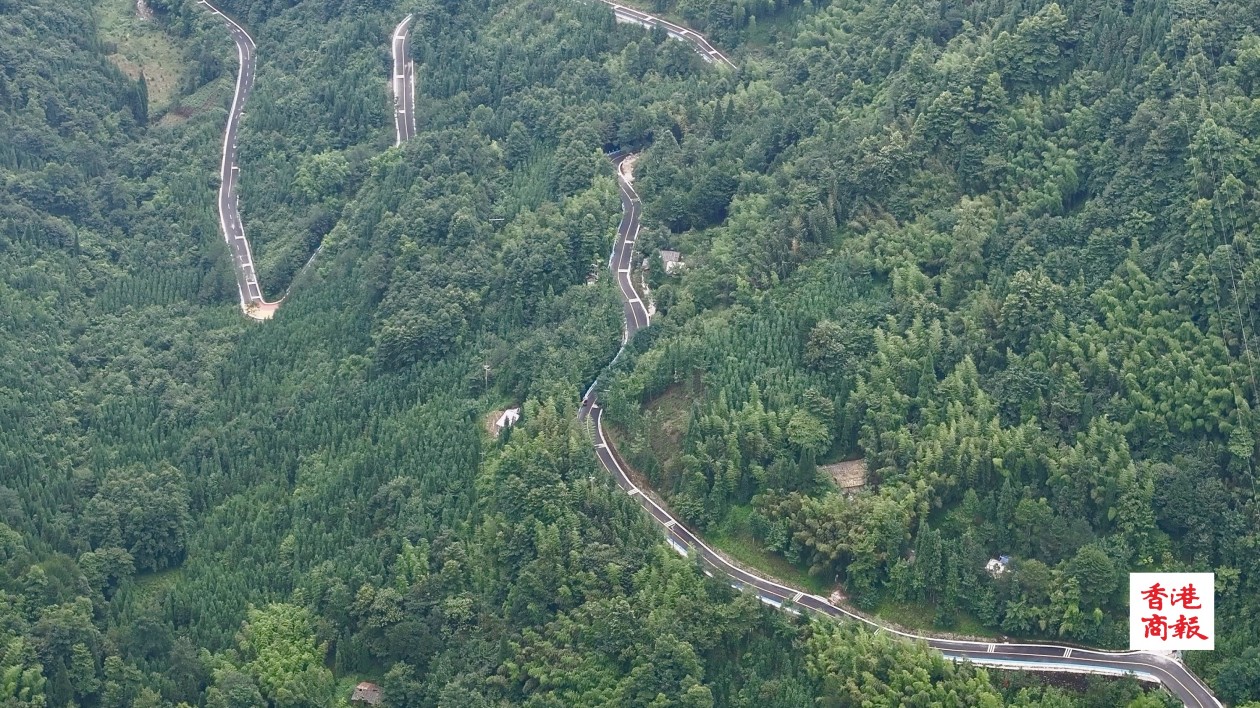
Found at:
<point>736,573</point>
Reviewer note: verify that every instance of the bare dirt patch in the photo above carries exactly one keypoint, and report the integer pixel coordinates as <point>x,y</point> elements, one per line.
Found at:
<point>487,422</point>
<point>262,311</point>
<point>626,168</point>
<point>849,476</point>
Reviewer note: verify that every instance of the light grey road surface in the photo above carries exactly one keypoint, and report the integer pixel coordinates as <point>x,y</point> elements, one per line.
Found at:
<point>251,296</point>
<point>404,83</point>
<point>1172,674</point>
<point>697,41</point>
<point>622,260</point>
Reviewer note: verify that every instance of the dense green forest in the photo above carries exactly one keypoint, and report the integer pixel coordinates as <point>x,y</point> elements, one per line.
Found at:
<point>200,510</point>
<point>1006,254</point>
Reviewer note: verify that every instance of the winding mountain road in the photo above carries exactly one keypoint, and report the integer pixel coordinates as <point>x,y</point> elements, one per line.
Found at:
<point>1174,676</point>
<point>252,302</point>
<point>404,83</point>
<point>1171,673</point>
<point>697,41</point>
<point>621,261</point>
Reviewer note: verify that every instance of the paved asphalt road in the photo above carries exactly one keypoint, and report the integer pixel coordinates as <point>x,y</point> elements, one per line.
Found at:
<point>1172,674</point>
<point>706,51</point>
<point>622,260</point>
<point>252,302</point>
<point>404,83</point>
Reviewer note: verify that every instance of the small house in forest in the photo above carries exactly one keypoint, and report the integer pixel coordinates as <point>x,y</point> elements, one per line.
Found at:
<point>366,694</point>
<point>997,566</point>
<point>672,260</point>
<point>507,420</point>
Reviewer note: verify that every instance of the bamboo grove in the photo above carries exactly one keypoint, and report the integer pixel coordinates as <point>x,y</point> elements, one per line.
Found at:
<point>1003,252</point>
<point>1005,255</point>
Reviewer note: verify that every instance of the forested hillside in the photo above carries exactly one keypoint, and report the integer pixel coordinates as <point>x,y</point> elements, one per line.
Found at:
<point>1005,254</point>
<point>200,510</point>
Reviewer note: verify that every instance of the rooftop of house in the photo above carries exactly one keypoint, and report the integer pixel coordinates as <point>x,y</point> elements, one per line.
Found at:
<point>508,419</point>
<point>367,692</point>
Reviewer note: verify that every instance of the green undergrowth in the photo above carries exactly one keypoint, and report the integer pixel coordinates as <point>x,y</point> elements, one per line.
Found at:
<point>141,46</point>
<point>734,538</point>
<point>667,417</point>
<point>214,94</point>
<point>152,584</point>
<point>922,618</point>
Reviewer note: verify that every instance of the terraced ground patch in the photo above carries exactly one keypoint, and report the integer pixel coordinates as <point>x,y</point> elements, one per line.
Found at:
<point>140,45</point>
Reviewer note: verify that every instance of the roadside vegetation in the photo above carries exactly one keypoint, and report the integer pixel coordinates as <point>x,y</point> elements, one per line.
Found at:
<point>201,510</point>
<point>1005,254</point>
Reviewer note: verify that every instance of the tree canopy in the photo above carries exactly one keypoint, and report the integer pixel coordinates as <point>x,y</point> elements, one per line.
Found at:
<point>1003,253</point>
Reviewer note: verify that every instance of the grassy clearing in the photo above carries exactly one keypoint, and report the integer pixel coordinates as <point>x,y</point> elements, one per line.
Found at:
<point>141,45</point>
<point>667,416</point>
<point>149,584</point>
<point>215,93</point>
<point>920,617</point>
<point>736,540</point>
<point>767,31</point>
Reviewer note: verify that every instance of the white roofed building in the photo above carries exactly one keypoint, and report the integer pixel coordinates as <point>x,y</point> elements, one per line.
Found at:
<point>507,419</point>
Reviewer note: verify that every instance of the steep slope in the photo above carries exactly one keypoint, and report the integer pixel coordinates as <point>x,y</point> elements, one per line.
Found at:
<point>1004,255</point>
